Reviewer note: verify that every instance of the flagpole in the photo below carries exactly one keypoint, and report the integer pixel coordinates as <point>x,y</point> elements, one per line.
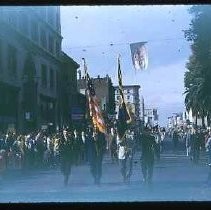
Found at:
<point>124,118</point>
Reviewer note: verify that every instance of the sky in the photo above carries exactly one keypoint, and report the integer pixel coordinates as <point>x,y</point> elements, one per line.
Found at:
<point>89,31</point>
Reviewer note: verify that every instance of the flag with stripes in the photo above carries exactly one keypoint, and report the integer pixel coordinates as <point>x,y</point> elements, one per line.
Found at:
<point>94,108</point>
<point>124,118</point>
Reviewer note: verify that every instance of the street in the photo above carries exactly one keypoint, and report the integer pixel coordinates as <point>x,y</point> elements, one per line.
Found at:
<point>176,178</point>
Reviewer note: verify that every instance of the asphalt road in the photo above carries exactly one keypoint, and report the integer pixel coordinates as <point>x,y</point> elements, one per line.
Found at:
<point>175,178</point>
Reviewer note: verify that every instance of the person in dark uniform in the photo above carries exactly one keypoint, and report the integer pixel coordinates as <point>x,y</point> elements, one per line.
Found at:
<point>66,149</point>
<point>97,147</point>
<point>175,138</point>
<point>196,146</point>
<point>147,156</point>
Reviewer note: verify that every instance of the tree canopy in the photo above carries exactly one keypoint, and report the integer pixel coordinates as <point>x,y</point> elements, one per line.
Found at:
<point>197,79</point>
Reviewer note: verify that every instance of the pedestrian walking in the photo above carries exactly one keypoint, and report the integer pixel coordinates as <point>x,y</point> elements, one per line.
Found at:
<point>147,155</point>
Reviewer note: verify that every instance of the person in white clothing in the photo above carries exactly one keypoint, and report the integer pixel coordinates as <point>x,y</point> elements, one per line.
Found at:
<point>125,154</point>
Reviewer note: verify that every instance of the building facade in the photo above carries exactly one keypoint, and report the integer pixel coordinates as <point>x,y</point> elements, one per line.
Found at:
<point>30,51</point>
<point>132,99</point>
<point>72,104</point>
<point>151,116</point>
<point>105,93</point>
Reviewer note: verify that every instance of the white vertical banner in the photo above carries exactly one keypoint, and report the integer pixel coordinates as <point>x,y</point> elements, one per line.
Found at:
<point>139,55</point>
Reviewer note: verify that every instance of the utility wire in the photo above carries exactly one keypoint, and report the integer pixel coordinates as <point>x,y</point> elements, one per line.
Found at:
<point>124,43</point>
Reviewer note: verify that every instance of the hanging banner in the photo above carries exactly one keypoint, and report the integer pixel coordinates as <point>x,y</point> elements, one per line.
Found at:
<point>139,55</point>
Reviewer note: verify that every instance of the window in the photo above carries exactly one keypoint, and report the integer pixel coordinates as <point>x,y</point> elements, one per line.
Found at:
<point>51,44</point>
<point>51,15</point>
<point>34,30</point>
<point>42,12</point>
<point>43,39</point>
<point>12,60</point>
<point>12,18</point>
<point>57,48</point>
<point>44,76</point>
<point>128,97</point>
<point>52,81</point>
<point>128,91</point>
<point>57,19</point>
<point>23,23</point>
<point>117,97</point>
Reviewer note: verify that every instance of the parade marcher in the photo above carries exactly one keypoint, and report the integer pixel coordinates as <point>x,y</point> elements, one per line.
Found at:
<point>113,146</point>
<point>78,146</point>
<point>88,144</point>
<point>98,148</point>
<point>188,134</point>
<point>31,150</point>
<point>49,154</point>
<point>125,154</point>
<point>66,149</point>
<point>56,153</point>
<point>175,139</point>
<point>158,143</point>
<point>9,140</point>
<point>147,155</point>
<point>40,148</point>
<point>83,149</point>
<point>196,143</point>
<point>162,137</point>
<point>16,149</point>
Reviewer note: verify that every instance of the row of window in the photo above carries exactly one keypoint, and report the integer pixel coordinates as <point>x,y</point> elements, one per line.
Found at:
<point>12,67</point>
<point>31,28</point>
<point>125,91</point>
<point>45,76</point>
<point>49,14</point>
<point>118,97</point>
<point>11,59</point>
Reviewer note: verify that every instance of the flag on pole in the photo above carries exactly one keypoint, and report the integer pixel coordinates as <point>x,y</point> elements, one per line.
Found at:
<point>94,108</point>
<point>139,55</point>
<point>124,118</point>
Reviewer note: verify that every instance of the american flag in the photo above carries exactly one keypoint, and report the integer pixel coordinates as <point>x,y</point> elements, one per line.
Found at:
<point>94,109</point>
<point>124,118</point>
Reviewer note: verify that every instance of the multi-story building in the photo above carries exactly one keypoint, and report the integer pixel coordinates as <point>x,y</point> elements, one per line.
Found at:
<point>151,116</point>
<point>72,104</point>
<point>30,48</point>
<point>104,91</point>
<point>131,96</point>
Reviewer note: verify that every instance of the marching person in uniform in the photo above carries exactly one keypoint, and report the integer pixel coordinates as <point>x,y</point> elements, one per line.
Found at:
<point>113,145</point>
<point>157,136</point>
<point>98,148</point>
<point>147,156</point>
<point>66,154</point>
<point>125,154</point>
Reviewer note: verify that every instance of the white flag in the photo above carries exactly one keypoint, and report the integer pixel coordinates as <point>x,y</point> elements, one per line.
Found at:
<point>139,55</point>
